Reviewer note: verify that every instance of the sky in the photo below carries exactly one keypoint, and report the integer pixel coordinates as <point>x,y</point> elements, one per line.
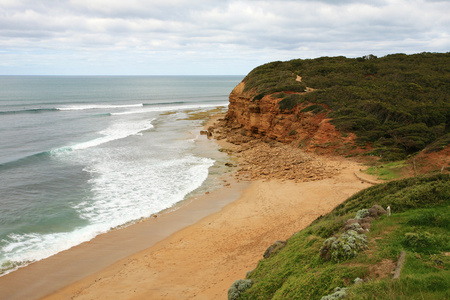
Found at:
<point>208,37</point>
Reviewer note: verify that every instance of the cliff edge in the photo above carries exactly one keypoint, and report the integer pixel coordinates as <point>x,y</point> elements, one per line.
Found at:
<point>305,126</point>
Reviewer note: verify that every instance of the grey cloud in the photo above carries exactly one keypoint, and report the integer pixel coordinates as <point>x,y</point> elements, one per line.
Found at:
<point>252,30</point>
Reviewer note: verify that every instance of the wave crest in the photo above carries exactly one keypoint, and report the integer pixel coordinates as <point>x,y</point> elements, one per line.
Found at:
<point>97,106</point>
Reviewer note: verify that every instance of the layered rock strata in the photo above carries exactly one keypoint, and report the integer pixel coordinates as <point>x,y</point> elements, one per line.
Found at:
<point>302,128</point>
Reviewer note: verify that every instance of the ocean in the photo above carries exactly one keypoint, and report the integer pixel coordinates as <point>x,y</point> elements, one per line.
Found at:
<point>82,155</point>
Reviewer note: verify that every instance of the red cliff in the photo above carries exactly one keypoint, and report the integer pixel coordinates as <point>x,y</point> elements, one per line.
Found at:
<point>300,127</point>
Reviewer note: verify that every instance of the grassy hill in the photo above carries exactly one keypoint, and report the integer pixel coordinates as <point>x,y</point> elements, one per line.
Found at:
<point>398,104</point>
<point>321,258</point>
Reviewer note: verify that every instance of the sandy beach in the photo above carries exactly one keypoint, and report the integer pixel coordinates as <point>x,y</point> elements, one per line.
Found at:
<point>203,260</point>
<point>195,252</point>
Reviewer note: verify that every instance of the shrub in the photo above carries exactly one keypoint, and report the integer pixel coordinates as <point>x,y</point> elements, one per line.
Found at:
<point>315,108</point>
<point>258,97</point>
<point>362,213</point>
<point>344,247</point>
<point>325,251</point>
<point>355,227</point>
<point>289,102</point>
<point>339,293</point>
<point>238,287</point>
<point>274,248</point>
<point>348,245</point>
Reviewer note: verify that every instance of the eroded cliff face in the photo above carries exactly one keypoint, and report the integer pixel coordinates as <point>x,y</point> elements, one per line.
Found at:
<point>307,130</point>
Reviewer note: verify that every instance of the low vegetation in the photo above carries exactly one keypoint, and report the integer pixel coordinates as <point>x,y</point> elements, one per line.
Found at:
<point>272,78</point>
<point>418,225</point>
<point>387,171</point>
<point>398,104</point>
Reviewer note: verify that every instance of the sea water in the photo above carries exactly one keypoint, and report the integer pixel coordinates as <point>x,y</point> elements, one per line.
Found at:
<point>80,156</point>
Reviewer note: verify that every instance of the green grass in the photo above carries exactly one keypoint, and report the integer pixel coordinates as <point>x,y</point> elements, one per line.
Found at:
<point>298,272</point>
<point>388,171</point>
<point>426,273</point>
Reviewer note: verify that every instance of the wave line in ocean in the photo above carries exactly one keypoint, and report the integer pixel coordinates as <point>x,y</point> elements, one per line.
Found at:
<point>97,106</point>
<point>114,132</point>
<point>27,110</point>
<point>169,108</point>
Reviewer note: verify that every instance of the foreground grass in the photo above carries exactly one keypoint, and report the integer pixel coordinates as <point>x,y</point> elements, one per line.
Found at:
<point>419,226</point>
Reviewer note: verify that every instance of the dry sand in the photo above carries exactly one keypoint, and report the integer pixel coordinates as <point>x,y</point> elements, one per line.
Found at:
<point>200,261</point>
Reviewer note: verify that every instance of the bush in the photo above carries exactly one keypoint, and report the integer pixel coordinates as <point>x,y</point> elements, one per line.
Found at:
<point>355,227</point>
<point>348,245</point>
<point>289,102</point>
<point>325,251</point>
<point>238,287</point>
<point>339,293</point>
<point>273,77</point>
<point>362,213</point>
<point>315,109</point>
<point>344,247</point>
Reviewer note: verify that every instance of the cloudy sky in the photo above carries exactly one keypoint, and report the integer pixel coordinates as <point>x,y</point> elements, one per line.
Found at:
<point>192,37</point>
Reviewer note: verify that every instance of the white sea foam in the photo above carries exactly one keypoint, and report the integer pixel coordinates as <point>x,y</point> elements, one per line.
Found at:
<point>122,192</point>
<point>33,247</point>
<point>169,108</point>
<point>97,106</point>
<point>126,191</point>
<point>127,184</point>
<point>116,131</point>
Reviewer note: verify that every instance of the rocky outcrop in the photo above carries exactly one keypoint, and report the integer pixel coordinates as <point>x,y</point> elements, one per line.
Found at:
<point>300,127</point>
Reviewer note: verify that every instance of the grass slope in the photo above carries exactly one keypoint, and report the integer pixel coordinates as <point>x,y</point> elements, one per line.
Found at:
<point>419,225</point>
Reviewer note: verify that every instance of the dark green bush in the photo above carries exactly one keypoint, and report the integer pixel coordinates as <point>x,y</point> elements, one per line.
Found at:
<point>290,101</point>
<point>315,108</point>
<point>397,102</point>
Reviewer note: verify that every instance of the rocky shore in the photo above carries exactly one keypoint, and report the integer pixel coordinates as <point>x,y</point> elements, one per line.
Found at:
<point>268,159</point>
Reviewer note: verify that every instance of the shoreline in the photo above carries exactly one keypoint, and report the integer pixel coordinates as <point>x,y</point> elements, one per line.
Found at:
<point>43,277</point>
<point>193,252</point>
<point>46,276</point>
<point>202,260</point>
